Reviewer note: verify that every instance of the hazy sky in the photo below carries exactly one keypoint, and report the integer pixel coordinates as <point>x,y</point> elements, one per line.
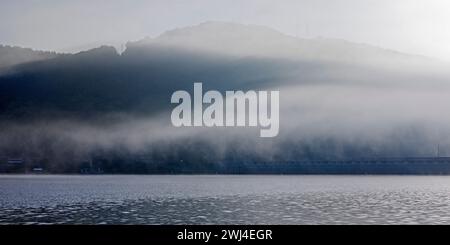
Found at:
<point>413,26</point>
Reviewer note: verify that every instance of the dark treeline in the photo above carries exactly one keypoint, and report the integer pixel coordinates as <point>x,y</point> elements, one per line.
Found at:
<point>200,157</point>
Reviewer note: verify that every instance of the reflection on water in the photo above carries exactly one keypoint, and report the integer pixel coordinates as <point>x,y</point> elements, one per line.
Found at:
<point>224,200</point>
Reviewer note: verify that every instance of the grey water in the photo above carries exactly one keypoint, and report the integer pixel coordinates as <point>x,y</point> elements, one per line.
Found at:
<point>223,199</point>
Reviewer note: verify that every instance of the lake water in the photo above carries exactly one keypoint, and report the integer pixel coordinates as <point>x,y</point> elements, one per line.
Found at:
<point>223,199</point>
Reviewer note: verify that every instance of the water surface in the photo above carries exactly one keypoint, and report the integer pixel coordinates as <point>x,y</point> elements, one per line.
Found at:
<point>224,199</point>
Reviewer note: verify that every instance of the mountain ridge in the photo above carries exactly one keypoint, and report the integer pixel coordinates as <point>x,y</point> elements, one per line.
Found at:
<point>142,78</point>
<point>223,36</point>
<point>14,55</point>
<point>246,40</point>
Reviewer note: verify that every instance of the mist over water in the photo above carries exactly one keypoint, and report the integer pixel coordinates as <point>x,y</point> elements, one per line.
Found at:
<point>338,100</point>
